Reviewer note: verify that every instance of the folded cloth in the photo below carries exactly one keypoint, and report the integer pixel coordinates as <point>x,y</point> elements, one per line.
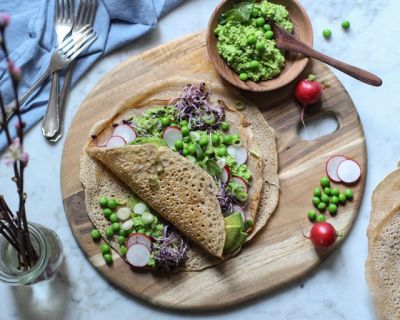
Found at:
<point>31,38</point>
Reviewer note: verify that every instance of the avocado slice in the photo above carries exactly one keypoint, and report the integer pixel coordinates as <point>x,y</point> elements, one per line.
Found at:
<point>153,140</point>
<point>232,236</point>
<point>241,239</point>
<point>234,219</point>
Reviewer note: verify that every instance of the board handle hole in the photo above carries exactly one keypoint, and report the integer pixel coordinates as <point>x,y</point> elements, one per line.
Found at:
<point>317,127</point>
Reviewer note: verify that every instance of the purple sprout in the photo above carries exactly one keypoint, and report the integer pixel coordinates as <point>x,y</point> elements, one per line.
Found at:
<point>226,199</point>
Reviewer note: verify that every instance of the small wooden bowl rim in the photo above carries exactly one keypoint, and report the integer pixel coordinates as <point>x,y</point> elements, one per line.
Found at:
<point>282,80</point>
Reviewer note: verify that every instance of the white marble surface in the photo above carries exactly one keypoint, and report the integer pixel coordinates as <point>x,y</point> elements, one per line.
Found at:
<point>337,289</point>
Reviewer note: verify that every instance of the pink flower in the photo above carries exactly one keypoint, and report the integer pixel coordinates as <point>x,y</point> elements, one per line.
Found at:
<point>15,153</point>
<point>4,20</point>
<point>14,71</point>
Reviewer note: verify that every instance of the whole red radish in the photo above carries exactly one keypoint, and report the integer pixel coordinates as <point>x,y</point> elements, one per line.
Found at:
<point>323,235</point>
<point>308,91</point>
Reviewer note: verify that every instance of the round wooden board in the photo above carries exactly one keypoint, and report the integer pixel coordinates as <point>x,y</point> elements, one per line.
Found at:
<point>279,254</point>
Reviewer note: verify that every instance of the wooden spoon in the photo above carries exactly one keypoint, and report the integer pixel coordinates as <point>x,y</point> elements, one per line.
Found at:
<point>286,41</point>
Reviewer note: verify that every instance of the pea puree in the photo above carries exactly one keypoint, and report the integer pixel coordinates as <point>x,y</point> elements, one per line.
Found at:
<point>245,40</point>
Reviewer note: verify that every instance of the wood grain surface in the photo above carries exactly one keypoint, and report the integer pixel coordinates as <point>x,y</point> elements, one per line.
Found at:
<point>279,254</point>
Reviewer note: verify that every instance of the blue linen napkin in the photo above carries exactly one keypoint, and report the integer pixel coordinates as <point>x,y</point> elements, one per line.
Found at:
<point>31,37</point>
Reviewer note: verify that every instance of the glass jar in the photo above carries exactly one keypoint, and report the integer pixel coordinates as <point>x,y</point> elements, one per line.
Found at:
<point>49,249</point>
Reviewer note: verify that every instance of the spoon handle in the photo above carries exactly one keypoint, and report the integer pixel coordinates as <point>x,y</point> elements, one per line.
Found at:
<point>357,73</point>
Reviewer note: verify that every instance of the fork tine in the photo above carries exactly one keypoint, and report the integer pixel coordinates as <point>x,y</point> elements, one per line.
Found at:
<point>66,6</point>
<point>62,12</point>
<point>72,10</point>
<point>93,13</point>
<point>82,7</point>
<point>78,44</point>
<point>57,10</point>
<point>87,12</point>
<point>70,42</point>
<point>92,38</point>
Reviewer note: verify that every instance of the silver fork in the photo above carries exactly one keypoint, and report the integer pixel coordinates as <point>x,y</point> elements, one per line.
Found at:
<point>85,16</point>
<point>64,21</point>
<point>60,59</point>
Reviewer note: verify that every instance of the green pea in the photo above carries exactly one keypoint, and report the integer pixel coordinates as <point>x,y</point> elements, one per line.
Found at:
<point>122,232</point>
<point>112,203</point>
<point>254,64</point>
<point>178,144</point>
<point>165,121</point>
<point>95,234</point>
<point>108,258</point>
<point>321,218</point>
<point>316,201</point>
<point>332,208</point>
<point>325,182</point>
<point>346,24</point>
<point>243,76</point>
<point>252,39</point>
<point>269,34</point>
<point>121,240</point>
<point>221,151</point>
<point>325,198</point>
<point>183,123</point>
<point>321,206</point>
<point>191,149</point>
<point>317,192</point>
<point>342,198</point>
<point>327,33</point>
<point>267,27</point>
<point>260,46</point>
<point>327,191</point>
<point>103,201</point>
<point>334,200</point>
<point>227,140</point>
<point>185,131</point>
<point>255,13</point>
<point>215,139</point>
<point>105,248</point>
<point>260,22</point>
<point>348,193</point>
<point>123,251</point>
<point>335,192</point>
<point>116,227</point>
<point>114,218</point>
<point>185,151</point>
<point>109,232</point>
<point>187,139</point>
<point>225,126</point>
<point>203,141</point>
<point>312,215</point>
<point>107,213</point>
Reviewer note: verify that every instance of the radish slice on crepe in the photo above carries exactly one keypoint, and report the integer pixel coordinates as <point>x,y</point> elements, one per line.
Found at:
<point>115,141</point>
<point>126,132</point>
<point>225,174</point>
<point>138,255</point>
<point>240,181</point>
<point>239,153</point>
<point>332,165</point>
<point>349,171</point>
<point>171,135</point>
<point>139,238</point>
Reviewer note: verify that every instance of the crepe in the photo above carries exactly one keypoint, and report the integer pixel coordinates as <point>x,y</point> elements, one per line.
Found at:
<point>264,191</point>
<point>383,263</point>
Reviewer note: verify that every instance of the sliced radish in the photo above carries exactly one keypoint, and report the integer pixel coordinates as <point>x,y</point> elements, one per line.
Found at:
<point>124,213</point>
<point>139,238</point>
<point>127,225</point>
<point>140,208</point>
<point>240,181</point>
<point>239,153</point>
<point>221,163</point>
<point>349,171</point>
<point>237,208</point>
<point>126,132</point>
<point>171,135</point>
<point>138,255</point>
<point>115,141</point>
<point>225,174</point>
<point>332,165</point>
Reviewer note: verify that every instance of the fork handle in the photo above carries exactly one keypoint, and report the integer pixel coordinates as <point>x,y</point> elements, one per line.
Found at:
<point>51,124</point>
<point>63,100</point>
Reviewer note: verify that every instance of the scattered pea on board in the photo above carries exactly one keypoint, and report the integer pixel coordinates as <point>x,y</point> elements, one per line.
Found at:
<point>327,33</point>
<point>346,24</point>
<point>95,234</point>
<point>108,258</point>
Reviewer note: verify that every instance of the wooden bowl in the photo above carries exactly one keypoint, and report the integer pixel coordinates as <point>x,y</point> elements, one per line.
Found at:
<point>295,64</point>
